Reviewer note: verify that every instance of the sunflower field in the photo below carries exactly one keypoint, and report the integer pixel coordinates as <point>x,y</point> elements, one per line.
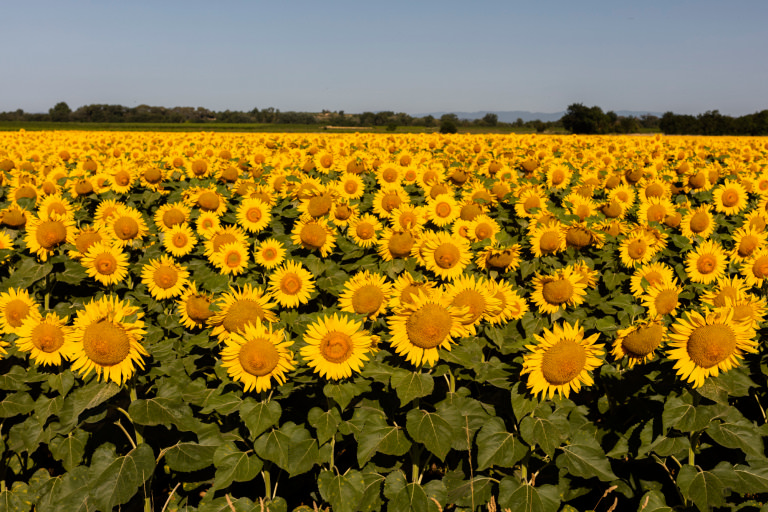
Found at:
<point>360,322</point>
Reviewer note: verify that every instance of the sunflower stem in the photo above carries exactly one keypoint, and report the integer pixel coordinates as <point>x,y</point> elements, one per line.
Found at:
<point>267,483</point>
<point>415,457</point>
<point>139,438</point>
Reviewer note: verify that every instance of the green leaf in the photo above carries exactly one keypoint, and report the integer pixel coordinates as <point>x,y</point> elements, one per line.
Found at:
<point>27,273</point>
<point>186,457</point>
<point>516,495</point>
<point>684,416</point>
<point>343,492</point>
<point>389,440</point>
<point>15,499</point>
<point>431,430</point>
<point>259,416</point>
<point>740,434</point>
<point>118,482</point>
<point>67,492</point>
<point>162,411</point>
<point>70,449</point>
<point>82,399</point>
<point>371,499</point>
<point>232,465</point>
<point>291,447</point>
<point>228,504</point>
<point>16,404</point>
<point>585,458</point>
<point>653,501</point>
<point>62,382</point>
<point>405,497</point>
<point>545,432</point>
<point>704,488</point>
<point>752,479</point>
<point>497,447</point>
<point>521,404</point>
<point>410,385</point>
<point>344,392</point>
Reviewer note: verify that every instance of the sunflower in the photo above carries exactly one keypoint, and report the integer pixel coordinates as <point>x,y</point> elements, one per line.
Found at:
<point>15,306</point>
<point>336,346</point>
<point>706,263</point>
<point>442,210</point>
<point>530,202</point>
<point>106,337</point>
<point>755,269</point>
<point>223,236</point>
<point>366,293</point>
<point>655,209</point>
<point>698,222</point>
<point>362,230</point>
<point>231,258</point>
<point>482,228</point>
<point>636,249</point>
<point>547,239</point>
<point>747,308</point>
<point>429,322</point>
<point>704,345</point>
<point>314,235</point>
<point>270,253</point>
<point>14,216</point>
<point>6,242</point>
<point>253,214</point>
<point>447,256</point>
<point>512,305</point>
<point>343,212</point>
<point>127,226</point>
<point>559,290</point>
<point>561,361</point>
<point>499,258</point>
<point>726,289</point>
<point>256,356</point>
<point>206,199</point>
<point>55,204</point>
<point>237,308</point>
<point>649,276</point>
<point>106,263</point>
<point>638,342</point>
<point>662,299</point>
<point>43,338</point>
<point>624,194</point>
<point>350,186</point>
<point>746,241</point>
<point>291,284</point>
<point>171,215</point>
<point>43,236</point>
<point>164,278</point>
<point>406,287</point>
<point>385,200</point>
<point>84,237</point>
<point>408,216</point>
<point>474,294</point>
<point>179,240</point>
<point>558,176</point>
<point>194,307</point>
<point>208,224</point>
<point>730,198</point>
<point>318,204</point>
<point>394,244</point>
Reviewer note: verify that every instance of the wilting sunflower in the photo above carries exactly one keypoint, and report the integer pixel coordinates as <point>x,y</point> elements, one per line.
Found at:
<point>105,340</point>
<point>15,306</point>
<point>546,239</point>
<point>561,361</point>
<point>362,230</point>
<point>179,240</point>
<point>707,263</point>
<point>43,236</point>
<point>256,356</point>
<point>231,258</point>
<point>649,276</point>
<point>336,346</point>
<point>291,284</point>
<point>561,289</point>
<point>499,257</point>
<point>171,215</point>
<point>662,299</point>
<point>474,294</point>
<point>639,342</point>
<point>253,214</point>
<point>164,278</point>
<point>704,345</point>
<point>194,307</point>
<point>314,234</point>
<point>698,222</point>
<point>367,293</point>
<point>237,308</point>
<point>447,256</point>
<point>43,338</point>
<point>270,253</point>
<point>106,263</point>
<point>730,197</point>
<point>420,327</point>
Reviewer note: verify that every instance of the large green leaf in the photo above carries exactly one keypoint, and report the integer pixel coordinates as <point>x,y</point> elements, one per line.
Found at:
<point>585,458</point>
<point>343,492</point>
<point>119,481</point>
<point>232,465</point>
<point>497,447</point>
<point>407,497</point>
<point>684,416</point>
<point>545,430</point>
<point>325,422</point>
<point>15,499</point>
<point>27,272</point>
<point>389,440</point>
<point>739,434</point>
<point>291,447</point>
<point>751,479</point>
<point>82,399</point>
<point>16,404</point>
<point>345,392</point>
<point>430,429</point>
<point>653,501</point>
<point>162,411</point>
<point>410,385</point>
<point>66,492</point>
<point>259,416</point>
<point>521,496</point>
<point>187,457</point>
<point>704,488</point>
<point>69,449</point>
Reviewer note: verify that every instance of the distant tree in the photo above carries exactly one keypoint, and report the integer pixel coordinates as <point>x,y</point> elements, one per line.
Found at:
<point>60,112</point>
<point>428,120</point>
<point>587,120</point>
<point>449,123</point>
<point>519,123</point>
<point>491,119</point>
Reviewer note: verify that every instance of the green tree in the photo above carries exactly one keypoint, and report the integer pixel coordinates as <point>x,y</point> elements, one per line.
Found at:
<point>582,119</point>
<point>60,112</point>
<point>491,119</point>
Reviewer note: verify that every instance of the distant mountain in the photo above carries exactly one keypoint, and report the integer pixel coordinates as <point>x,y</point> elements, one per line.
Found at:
<point>510,116</point>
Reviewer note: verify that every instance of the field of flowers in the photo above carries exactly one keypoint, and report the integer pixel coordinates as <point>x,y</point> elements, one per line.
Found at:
<point>359,322</point>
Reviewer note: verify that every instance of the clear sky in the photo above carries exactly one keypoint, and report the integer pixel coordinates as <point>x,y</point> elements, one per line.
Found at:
<point>686,56</point>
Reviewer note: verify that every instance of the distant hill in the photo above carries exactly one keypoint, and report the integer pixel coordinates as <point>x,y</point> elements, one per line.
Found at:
<point>510,116</point>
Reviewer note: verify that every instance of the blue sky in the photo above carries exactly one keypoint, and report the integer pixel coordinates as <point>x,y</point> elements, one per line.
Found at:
<point>414,57</point>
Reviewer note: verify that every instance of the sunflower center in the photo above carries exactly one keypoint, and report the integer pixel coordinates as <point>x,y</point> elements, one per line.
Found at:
<point>364,230</point>
<point>126,228</point>
<point>531,203</point>
<point>400,244</point>
<point>367,299</point>
<point>51,233</point>
<point>336,347</point>
<point>153,176</point>
<point>106,343</point>
<point>637,249</point>
<point>699,222</point>
<point>583,211</point>
<point>447,255</point>
<point>578,237</point>
<point>173,217</point>
<point>350,187</point>
<point>706,263</point>
<point>198,308</point>
<point>428,326</point>
<point>390,201</point>
<point>259,357</point>
<point>16,311</point>
<point>85,240</point>
<point>290,284</point>
<point>269,254</point>
<point>342,212</point>
<point>642,341</point>
<point>48,338</point>
<point>319,205</point>
<point>563,362</point>
<point>698,180</point>
<point>233,259</point>
<point>105,264</point>
<point>557,291</point>
<point>241,313</point>
<point>730,197</point>
<point>611,210</point>
<point>443,210</point>
<point>666,301</point>
<point>709,345</point>
<point>83,187</point>
<point>656,213</point>
<point>470,211</point>
<point>180,240</point>
<point>549,242</point>
<point>747,245</point>
<point>501,260</point>
<point>223,239</point>
<point>122,178</point>
<point>654,190</point>
<point>208,201</point>
<point>409,292</point>
<point>742,312</point>
<point>313,235</point>
<point>558,176</point>
<point>483,231</point>
<point>474,300</point>
<point>57,208</point>
<point>727,292</point>
<point>653,277</point>
<point>760,267</point>
<point>14,218</point>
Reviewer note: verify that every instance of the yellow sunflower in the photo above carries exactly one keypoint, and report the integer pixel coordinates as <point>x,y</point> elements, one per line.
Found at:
<point>531,202</point>
<point>559,290</point>
<point>408,216</point>
<point>55,205</point>
<point>171,215</point>
<point>14,217</point>
<point>127,226</point>
<point>366,293</point>
<point>223,236</point>
<point>43,338</point>
<point>474,294</point>
<point>636,249</point>
<point>194,307</point>
<point>179,240</point>
<point>442,210</point>
<point>43,236</point>
<point>747,308</point>
<point>106,210</point>
<point>655,209</point>
<point>639,342</point>
<point>206,199</point>
<point>706,263</point>
<point>291,284</point>
<point>314,235</point>
<point>547,238</point>
<point>406,287</point>
<point>350,186</point>
<point>253,214</point>
<point>362,230</point>
<point>704,345</point>
<point>164,278</point>
<point>231,258</point>
<point>256,356</point>
<point>499,258</point>
<point>336,346</point>
<point>385,200</point>
<point>662,299</point>
<point>698,222</point>
<point>15,306</point>
<point>106,338</point>
<point>420,327</point>
<point>447,256</point>
<point>726,289</point>
<point>270,253</point>
<point>512,305</point>
<point>343,212</point>
<point>482,228</point>
<point>649,276</point>
<point>746,241</point>
<point>105,263</point>
<point>730,198</point>
<point>208,223</point>
<point>318,204</point>
<point>395,244</point>
<point>561,361</point>
<point>755,269</point>
<point>238,308</point>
